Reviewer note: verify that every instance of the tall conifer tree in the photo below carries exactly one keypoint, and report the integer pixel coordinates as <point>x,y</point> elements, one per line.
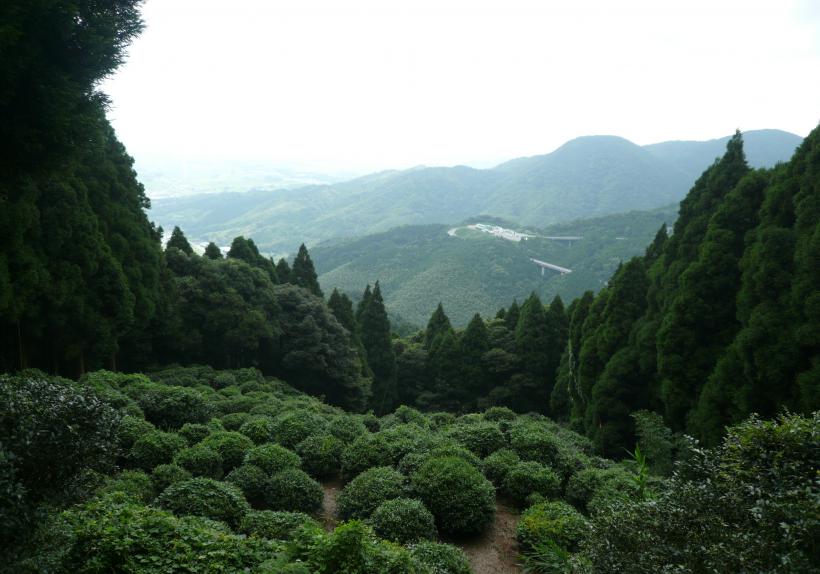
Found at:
<point>377,341</point>
<point>303,272</point>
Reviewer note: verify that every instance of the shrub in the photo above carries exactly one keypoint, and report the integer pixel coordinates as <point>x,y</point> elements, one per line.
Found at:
<point>346,428</point>
<point>155,447</point>
<point>272,458</point>
<point>237,404</point>
<point>51,429</point>
<point>499,414</point>
<point>278,525</point>
<point>259,429</point>
<point>200,460</point>
<point>533,442</point>
<point>292,489</point>
<point>206,497</point>
<point>554,521</point>
<point>172,407</point>
<point>132,482</point>
<point>441,558</point>
<point>367,451</point>
<point>113,534</point>
<point>526,478</point>
<point>232,446</point>
<point>457,494</point>
<point>164,475</point>
<point>409,415</point>
<point>600,485</point>
<point>234,421</point>
<point>194,432</point>
<point>403,520</point>
<point>292,427</point>
<point>361,496</point>
<point>321,455</point>
<point>481,438</point>
<point>403,439</point>
<point>497,466</point>
<point>130,429</point>
<point>748,505</point>
<point>441,420</point>
<point>252,481</point>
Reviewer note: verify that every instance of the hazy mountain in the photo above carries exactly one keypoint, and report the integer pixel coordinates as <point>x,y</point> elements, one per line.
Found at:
<point>764,148</point>
<point>586,177</point>
<point>473,272</point>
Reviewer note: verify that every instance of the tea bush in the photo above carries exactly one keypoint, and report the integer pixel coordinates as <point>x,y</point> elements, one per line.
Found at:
<point>200,460</point>
<point>272,458</point>
<point>205,497</point>
<point>361,496</point>
<point>526,478</point>
<point>155,448</point>
<point>321,455</point>
<point>279,525</point>
<point>293,490</point>
<point>403,520</point>
<point>457,494</point>
<point>252,481</point>
<point>232,446</point>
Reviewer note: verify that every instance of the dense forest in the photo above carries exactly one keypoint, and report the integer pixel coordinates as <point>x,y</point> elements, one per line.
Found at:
<point>166,411</point>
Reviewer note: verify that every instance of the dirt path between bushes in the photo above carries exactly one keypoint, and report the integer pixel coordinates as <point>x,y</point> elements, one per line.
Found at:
<point>496,551</point>
<point>328,512</point>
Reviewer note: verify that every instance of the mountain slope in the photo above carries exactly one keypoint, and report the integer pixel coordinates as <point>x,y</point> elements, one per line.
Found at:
<point>586,177</point>
<point>418,266</point>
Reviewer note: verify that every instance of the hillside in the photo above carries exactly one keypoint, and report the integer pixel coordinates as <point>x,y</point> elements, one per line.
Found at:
<point>420,265</point>
<point>586,177</point>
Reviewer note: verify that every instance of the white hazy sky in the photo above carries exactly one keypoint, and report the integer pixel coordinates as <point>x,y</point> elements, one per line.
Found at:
<point>363,85</point>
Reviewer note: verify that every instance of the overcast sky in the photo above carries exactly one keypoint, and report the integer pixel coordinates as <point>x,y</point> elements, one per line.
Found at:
<point>377,84</point>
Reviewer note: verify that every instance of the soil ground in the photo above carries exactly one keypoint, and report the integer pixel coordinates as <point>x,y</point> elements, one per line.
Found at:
<point>328,513</point>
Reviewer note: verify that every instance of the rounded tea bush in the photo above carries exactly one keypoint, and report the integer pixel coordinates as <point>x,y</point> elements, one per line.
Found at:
<point>130,429</point>
<point>292,427</point>
<point>499,414</point>
<point>206,497</point>
<point>441,558</point>
<point>321,455</point>
<point>597,483</point>
<point>403,520</point>
<point>133,482</point>
<point>259,429</point>
<point>277,525</point>
<point>165,475</point>
<point>457,494</point>
<point>234,421</point>
<point>497,466</point>
<point>155,448</point>
<point>272,458</point>
<point>526,478</point>
<point>533,442</point>
<point>172,407</point>
<point>554,521</point>
<point>232,446</point>
<point>367,451</point>
<point>252,481</point>
<point>292,489</point>
<point>200,460</point>
<point>481,438</point>
<point>194,432</point>
<point>362,495</point>
<point>346,428</point>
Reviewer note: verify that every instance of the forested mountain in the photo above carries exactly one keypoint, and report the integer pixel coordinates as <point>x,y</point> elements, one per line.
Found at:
<point>714,322</point>
<point>586,177</point>
<point>472,272</point>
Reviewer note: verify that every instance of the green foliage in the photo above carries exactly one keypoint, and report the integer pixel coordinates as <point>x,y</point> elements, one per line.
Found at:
<point>154,448</point>
<point>293,490</point>
<point>457,494</point>
<point>258,429</point>
<point>130,429</point>
<point>482,438</point>
<point>755,494</point>
<point>361,496</point>
<point>554,521</point>
<point>272,458</point>
<point>194,432</point>
<point>367,451</point>
<point>205,497</point>
<point>321,455</point>
<point>497,465</point>
<point>164,475</point>
<point>526,478</point>
<point>172,407</point>
<point>441,558</point>
<point>252,481</point>
<point>179,241</point>
<point>114,534</point>
<point>134,483</point>
<point>291,428</point>
<point>231,446</point>
<point>200,460</point>
<point>303,274</point>
<point>279,525</point>
<point>404,521</point>
<point>375,336</point>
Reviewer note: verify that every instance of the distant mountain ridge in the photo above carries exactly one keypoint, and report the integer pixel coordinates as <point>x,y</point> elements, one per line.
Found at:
<point>586,177</point>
